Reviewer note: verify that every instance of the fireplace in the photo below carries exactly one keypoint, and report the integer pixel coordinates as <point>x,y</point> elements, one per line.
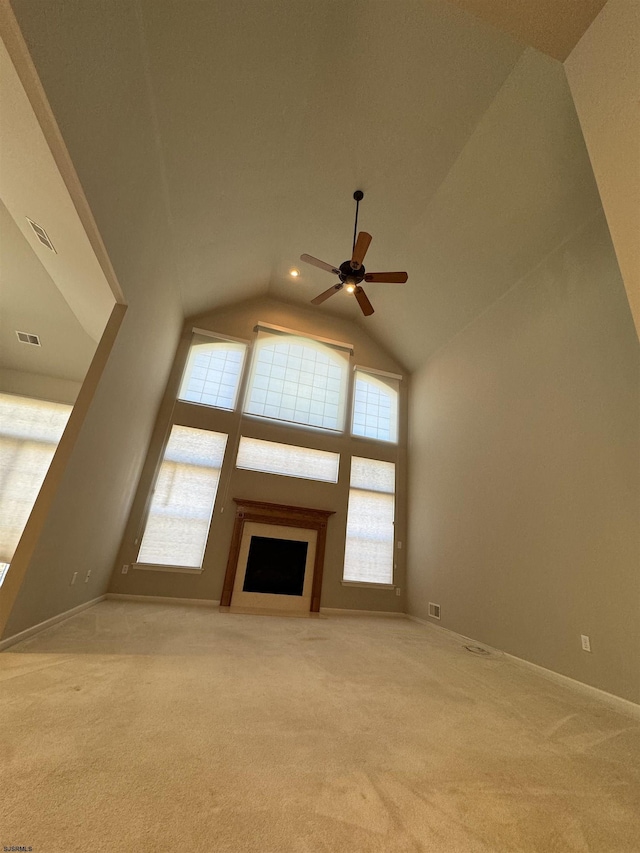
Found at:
<point>275,566</point>
<point>276,558</point>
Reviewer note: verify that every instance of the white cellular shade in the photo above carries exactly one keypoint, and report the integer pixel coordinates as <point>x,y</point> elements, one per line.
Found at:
<point>290,460</point>
<point>29,434</point>
<point>184,495</point>
<point>370,532</point>
<point>373,475</point>
<point>375,406</point>
<point>298,380</point>
<point>212,374</point>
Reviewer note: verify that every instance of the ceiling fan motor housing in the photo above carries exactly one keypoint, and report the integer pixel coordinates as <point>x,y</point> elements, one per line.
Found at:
<point>349,275</point>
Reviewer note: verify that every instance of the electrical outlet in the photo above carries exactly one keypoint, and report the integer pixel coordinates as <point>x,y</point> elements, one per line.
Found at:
<point>73,579</point>
<point>86,580</point>
<point>398,590</point>
<point>586,643</point>
<point>125,569</point>
<point>399,546</point>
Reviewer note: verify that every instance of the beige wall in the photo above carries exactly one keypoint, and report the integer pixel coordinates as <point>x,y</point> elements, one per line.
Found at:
<point>239,321</point>
<point>604,76</point>
<point>38,386</point>
<point>524,481</point>
<point>79,517</point>
<point>89,496</point>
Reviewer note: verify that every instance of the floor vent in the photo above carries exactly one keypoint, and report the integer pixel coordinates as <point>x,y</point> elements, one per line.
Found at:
<point>26,338</point>
<point>477,650</point>
<point>434,610</point>
<point>41,234</point>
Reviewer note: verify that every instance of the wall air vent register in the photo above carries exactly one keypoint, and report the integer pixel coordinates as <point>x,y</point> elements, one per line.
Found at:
<point>27,338</point>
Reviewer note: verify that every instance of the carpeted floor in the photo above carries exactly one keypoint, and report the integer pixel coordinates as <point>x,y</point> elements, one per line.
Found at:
<point>153,728</point>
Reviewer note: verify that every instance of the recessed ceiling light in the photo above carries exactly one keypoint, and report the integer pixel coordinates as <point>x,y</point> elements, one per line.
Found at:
<point>294,273</point>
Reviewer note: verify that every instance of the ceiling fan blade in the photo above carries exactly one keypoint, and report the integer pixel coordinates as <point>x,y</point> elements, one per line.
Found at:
<point>309,259</point>
<point>389,277</point>
<point>363,302</point>
<point>327,293</point>
<point>360,249</point>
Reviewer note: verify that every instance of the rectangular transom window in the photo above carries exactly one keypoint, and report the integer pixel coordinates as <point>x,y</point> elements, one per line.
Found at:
<point>213,371</point>
<point>375,405</point>
<point>370,534</point>
<point>288,459</point>
<point>183,498</point>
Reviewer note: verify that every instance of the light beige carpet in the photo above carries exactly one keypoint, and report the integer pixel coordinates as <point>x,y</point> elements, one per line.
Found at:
<point>145,727</point>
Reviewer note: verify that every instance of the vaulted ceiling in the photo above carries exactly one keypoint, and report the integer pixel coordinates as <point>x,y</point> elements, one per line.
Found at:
<point>259,119</point>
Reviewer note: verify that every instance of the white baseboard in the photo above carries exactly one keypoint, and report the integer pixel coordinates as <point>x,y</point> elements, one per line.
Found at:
<point>161,599</point>
<point>48,623</point>
<point>340,611</point>
<point>616,703</point>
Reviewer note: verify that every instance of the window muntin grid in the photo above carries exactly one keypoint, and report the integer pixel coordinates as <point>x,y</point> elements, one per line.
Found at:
<point>375,407</point>
<point>213,371</point>
<point>298,380</point>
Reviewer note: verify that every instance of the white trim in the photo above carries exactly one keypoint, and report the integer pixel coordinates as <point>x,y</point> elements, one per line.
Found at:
<point>376,372</point>
<point>342,611</point>
<point>337,344</point>
<point>617,703</point>
<point>152,567</point>
<point>624,706</point>
<point>369,584</point>
<point>162,599</point>
<point>207,333</point>
<point>48,623</point>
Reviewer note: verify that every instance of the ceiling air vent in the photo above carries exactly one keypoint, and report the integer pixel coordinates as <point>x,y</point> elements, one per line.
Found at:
<point>41,234</point>
<point>434,610</point>
<point>26,338</point>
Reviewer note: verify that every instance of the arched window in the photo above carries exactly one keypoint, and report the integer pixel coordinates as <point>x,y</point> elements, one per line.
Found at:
<point>299,380</point>
<point>375,406</point>
<point>212,374</point>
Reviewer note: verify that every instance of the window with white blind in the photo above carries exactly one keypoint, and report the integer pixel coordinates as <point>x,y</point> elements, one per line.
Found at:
<point>213,371</point>
<point>290,460</point>
<point>183,498</point>
<point>29,434</point>
<point>299,380</point>
<point>375,405</point>
<point>370,534</point>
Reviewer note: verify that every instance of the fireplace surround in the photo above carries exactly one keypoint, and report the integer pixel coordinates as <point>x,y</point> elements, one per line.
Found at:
<point>256,521</point>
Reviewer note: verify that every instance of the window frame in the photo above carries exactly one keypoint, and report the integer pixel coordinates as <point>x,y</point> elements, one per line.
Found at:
<point>372,371</point>
<point>222,339</point>
<point>299,338</point>
<point>166,567</point>
<point>369,583</point>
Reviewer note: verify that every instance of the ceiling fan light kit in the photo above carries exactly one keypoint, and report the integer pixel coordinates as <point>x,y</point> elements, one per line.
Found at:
<point>352,272</point>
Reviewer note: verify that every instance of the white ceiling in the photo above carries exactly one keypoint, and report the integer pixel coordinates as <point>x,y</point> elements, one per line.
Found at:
<point>260,119</point>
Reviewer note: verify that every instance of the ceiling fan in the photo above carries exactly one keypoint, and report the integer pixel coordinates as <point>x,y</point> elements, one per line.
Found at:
<point>352,272</point>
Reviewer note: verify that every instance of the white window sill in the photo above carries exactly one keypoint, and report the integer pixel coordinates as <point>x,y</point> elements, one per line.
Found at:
<point>151,567</point>
<point>367,584</point>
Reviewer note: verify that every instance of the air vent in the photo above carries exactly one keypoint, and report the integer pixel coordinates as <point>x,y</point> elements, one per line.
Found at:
<point>434,610</point>
<point>477,650</point>
<point>26,338</point>
<point>41,234</point>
